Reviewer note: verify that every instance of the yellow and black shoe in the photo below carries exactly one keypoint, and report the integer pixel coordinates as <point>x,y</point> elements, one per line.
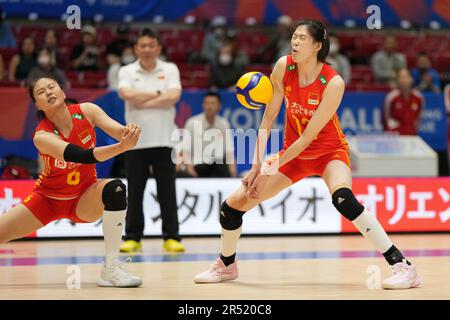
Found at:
<point>172,245</point>
<point>131,246</point>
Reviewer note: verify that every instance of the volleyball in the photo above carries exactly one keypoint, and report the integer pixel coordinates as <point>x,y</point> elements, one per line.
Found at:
<point>254,90</point>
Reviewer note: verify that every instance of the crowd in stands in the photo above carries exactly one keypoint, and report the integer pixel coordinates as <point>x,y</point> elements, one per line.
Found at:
<point>216,57</point>
<point>402,64</point>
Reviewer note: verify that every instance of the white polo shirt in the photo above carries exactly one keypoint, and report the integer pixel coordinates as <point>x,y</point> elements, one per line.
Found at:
<point>157,124</point>
<point>208,143</point>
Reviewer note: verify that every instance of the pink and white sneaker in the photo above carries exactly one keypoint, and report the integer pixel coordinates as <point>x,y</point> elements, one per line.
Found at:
<point>218,272</point>
<point>404,276</point>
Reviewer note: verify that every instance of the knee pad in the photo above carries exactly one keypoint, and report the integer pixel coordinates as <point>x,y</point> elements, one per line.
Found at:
<point>346,203</point>
<point>230,219</point>
<point>114,196</point>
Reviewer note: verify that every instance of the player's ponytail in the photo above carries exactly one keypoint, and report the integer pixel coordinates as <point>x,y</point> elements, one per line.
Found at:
<point>318,32</point>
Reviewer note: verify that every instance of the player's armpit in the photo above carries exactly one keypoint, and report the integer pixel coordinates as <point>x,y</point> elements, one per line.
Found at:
<point>49,144</point>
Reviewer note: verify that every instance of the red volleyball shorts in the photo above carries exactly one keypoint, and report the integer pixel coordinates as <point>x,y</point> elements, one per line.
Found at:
<point>297,169</point>
<point>47,209</point>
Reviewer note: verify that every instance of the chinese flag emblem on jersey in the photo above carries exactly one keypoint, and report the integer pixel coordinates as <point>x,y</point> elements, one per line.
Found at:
<point>85,136</point>
<point>313,98</point>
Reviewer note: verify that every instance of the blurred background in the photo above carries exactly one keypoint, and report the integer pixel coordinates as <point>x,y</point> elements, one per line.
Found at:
<point>213,43</point>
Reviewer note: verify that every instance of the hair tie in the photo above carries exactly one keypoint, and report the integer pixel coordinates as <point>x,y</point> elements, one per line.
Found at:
<point>324,34</point>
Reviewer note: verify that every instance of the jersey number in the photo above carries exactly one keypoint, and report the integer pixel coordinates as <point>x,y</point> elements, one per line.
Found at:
<point>73,178</point>
<point>299,123</point>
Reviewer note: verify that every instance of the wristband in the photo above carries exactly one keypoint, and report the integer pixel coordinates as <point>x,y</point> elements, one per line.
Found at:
<point>74,153</point>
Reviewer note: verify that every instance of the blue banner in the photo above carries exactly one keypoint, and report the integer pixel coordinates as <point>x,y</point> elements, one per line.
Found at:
<point>359,113</point>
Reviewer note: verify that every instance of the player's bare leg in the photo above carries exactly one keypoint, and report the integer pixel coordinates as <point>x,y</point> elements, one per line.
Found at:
<point>231,212</point>
<point>338,177</point>
<point>107,198</point>
<point>17,223</point>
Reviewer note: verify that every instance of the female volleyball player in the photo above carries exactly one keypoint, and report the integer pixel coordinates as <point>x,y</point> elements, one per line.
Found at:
<point>313,145</point>
<point>68,187</point>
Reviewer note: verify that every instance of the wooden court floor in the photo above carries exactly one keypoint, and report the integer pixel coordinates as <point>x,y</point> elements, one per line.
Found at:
<point>313,267</point>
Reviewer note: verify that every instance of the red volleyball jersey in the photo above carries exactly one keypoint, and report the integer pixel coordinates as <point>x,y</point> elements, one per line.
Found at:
<point>301,103</point>
<point>63,179</point>
<point>406,110</point>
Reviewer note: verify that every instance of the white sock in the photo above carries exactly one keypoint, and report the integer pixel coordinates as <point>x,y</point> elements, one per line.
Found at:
<point>229,241</point>
<point>113,225</point>
<point>372,230</point>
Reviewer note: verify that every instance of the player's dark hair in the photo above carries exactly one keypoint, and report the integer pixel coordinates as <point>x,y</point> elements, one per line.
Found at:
<point>147,32</point>
<point>212,94</point>
<point>318,32</point>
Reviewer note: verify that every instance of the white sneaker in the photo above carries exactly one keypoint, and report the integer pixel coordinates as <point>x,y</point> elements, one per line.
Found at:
<point>115,275</point>
<point>404,276</point>
<point>218,272</point>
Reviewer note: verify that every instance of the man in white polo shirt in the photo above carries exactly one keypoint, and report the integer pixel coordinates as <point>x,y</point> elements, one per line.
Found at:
<point>150,88</point>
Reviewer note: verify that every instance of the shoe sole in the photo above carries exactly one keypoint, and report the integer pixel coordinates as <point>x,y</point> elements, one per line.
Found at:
<point>130,251</point>
<point>105,283</point>
<point>166,250</point>
<point>415,284</point>
<point>206,282</point>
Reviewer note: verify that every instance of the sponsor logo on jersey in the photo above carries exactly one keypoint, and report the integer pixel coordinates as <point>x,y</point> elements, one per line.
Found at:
<point>60,164</point>
<point>292,67</point>
<point>288,90</point>
<point>323,80</point>
<point>77,116</point>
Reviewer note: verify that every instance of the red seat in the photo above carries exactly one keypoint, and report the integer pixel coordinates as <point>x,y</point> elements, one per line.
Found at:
<point>443,62</point>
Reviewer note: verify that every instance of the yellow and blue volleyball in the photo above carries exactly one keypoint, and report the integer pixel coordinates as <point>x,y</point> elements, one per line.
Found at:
<point>254,90</point>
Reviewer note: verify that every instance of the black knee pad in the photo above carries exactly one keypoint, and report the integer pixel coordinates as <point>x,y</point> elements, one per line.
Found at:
<point>346,203</point>
<point>230,219</point>
<point>114,196</point>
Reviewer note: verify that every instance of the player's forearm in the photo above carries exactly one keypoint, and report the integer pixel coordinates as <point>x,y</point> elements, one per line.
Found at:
<point>107,152</point>
<point>295,149</point>
<point>261,143</point>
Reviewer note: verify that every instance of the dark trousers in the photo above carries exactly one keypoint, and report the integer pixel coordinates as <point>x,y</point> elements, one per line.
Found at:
<point>214,170</point>
<point>137,164</point>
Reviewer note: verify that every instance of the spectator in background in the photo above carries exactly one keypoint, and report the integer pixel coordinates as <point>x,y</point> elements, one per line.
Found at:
<point>403,106</point>
<point>127,56</point>
<point>120,42</point>
<point>51,44</point>
<point>86,55</point>
<point>7,39</point>
<point>22,63</point>
<point>426,79</point>
<point>214,39</point>
<point>386,62</point>
<point>279,43</point>
<point>2,68</point>
<point>228,66</point>
<point>46,66</point>
<point>338,61</point>
<point>209,130</point>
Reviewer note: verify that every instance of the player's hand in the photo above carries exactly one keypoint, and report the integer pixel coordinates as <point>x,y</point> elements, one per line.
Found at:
<point>248,179</point>
<point>256,188</point>
<point>130,136</point>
